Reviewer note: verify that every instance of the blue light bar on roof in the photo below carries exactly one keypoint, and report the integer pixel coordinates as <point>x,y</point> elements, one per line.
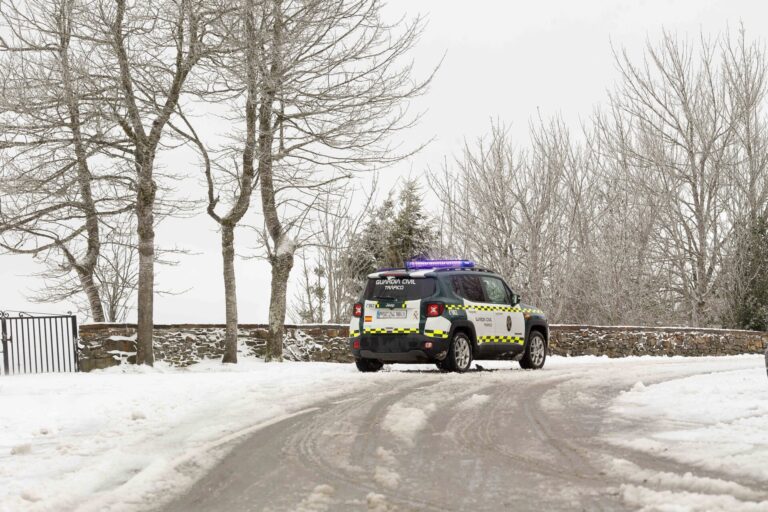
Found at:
<point>427,264</point>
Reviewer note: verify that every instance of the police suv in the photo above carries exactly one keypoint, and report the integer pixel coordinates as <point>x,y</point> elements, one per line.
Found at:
<point>444,311</point>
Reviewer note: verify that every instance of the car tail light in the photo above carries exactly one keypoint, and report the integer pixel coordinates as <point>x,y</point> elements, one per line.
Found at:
<point>435,309</point>
<point>356,344</point>
<point>357,310</point>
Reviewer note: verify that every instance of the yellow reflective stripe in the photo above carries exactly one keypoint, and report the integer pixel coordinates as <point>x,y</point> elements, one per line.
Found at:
<point>436,333</point>
<point>392,330</point>
<point>354,334</point>
<point>500,339</point>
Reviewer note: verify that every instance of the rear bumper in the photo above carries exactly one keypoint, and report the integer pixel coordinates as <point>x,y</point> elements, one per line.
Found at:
<point>402,348</point>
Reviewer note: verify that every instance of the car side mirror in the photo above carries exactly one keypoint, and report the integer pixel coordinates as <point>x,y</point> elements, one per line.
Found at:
<point>515,299</point>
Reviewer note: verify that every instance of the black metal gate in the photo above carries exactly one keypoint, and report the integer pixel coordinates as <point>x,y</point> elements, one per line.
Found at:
<point>38,344</point>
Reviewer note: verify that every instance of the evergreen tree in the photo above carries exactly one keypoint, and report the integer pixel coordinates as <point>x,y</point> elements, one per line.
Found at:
<point>396,231</point>
<point>411,235</point>
<point>748,287</point>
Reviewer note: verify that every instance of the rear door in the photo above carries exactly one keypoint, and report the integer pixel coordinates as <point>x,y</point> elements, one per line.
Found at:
<point>508,322</point>
<point>393,303</point>
<point>470,288</point>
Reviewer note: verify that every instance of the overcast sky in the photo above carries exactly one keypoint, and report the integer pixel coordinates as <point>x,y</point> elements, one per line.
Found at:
<point>510,61</point>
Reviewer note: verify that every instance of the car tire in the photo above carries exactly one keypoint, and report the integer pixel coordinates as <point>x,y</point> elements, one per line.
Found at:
<point>368,365</point>
<point>459,357</point>
<point>535,352</point>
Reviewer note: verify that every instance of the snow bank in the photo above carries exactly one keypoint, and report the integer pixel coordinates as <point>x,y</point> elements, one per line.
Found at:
<point>648,500</point>
<point>122,438</point>
<point>711,422</point>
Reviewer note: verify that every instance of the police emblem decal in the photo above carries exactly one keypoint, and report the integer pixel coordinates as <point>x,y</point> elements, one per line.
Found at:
<point>509,323</point>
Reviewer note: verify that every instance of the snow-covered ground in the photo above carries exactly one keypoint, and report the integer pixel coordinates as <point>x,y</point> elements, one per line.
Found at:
<point>128,438</point>
<point>713,422</point>
<point>121,438</point>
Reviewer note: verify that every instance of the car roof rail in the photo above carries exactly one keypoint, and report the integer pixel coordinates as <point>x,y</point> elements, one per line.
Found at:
<point>475,269</point>
<point>441,269</point>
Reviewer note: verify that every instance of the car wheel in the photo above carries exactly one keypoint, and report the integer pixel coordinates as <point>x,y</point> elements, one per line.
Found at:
<point>535,352</point>
<point>368,365</point>
<point>459,354</point>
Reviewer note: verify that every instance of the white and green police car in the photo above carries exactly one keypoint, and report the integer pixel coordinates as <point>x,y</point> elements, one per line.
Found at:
<point>448,312</point>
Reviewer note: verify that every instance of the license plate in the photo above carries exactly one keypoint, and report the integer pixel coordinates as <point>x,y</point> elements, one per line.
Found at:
<point>390,314</point>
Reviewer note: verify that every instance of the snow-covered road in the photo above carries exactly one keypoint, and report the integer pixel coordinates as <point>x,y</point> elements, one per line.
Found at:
<point>561,439</point>
<point>585,433</point>
<point>128,437</point>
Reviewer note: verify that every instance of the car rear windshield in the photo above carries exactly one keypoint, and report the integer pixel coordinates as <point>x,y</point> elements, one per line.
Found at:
<point>400,288</point>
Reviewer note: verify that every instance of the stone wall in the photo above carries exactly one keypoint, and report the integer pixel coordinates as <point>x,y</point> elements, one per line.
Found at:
<point>103,345</point>
<point>577,340</point>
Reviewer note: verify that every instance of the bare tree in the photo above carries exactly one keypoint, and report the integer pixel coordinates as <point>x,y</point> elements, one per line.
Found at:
<point>320,89</point>
<point>612,276</point>
<point>59,185</point>
<point>332,91</point>
<point>338,232</point>
<point>147,52</point>
<point>502,206</point>
<point>118,269</point>
<point>238,62</point>
<point>337,246</point>
<point>680,140</point>
<point>115,275</point>
<point>310,298</point>
<point>746,74</point>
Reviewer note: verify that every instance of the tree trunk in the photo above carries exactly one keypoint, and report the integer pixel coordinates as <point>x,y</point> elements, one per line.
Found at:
<point>230,293</point>
<point>92,293</point>
<point>282,263</point>
<point>84,177</point>
<point>145,200</point>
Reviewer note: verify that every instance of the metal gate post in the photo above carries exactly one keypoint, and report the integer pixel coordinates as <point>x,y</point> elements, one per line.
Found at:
<point>6,369</point>
<point>75,339</point>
